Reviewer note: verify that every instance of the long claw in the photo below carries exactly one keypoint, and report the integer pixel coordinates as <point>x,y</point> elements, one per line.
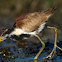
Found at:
<point>50,55</point>
<point>59,47</point>
<point>55,44</point>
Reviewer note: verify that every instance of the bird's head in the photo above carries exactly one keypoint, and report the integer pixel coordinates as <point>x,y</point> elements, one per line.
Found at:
<point>2,38</point>
<point>8,33</point>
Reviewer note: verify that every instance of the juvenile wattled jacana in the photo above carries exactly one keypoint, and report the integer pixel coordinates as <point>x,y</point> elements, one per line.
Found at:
<point>30,25</point>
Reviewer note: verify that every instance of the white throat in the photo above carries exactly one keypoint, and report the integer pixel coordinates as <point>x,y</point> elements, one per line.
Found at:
<point>17,31</point>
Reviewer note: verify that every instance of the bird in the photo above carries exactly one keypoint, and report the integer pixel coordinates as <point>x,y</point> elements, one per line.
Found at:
<point>29,25</point>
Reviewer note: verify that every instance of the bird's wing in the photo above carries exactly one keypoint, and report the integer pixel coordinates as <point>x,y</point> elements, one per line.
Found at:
<point>32,21</point>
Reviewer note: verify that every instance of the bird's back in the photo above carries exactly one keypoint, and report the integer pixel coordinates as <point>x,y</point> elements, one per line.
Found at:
<point>32,21</point>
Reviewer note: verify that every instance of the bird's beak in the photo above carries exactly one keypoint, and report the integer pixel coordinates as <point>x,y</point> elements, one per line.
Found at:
<point>0,39</point>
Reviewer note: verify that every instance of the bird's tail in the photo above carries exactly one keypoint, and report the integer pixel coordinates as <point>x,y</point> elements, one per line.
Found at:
<point>49,11</point>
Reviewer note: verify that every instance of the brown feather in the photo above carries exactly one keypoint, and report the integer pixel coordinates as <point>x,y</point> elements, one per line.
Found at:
<point>32,21</point>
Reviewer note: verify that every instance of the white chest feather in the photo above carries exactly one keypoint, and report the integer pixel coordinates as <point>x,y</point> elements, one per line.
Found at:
<point>18,31</point>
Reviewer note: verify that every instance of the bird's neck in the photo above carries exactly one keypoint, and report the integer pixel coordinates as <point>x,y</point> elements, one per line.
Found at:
<point>16,31</point>
<point>8,32</point>
<point>13,31</point>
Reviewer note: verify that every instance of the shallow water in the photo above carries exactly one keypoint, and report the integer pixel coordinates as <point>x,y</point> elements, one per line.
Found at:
<point>11,51</point>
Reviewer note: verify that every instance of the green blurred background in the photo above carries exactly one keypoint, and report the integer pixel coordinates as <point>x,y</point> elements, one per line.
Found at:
<point>12,9</point>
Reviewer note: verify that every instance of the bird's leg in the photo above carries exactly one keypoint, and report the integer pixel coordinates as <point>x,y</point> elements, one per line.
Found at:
<point>55,44</point>
<point>43,45</point>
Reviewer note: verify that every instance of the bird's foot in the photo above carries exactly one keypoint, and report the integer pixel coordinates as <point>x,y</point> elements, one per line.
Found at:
<point>51,55</point>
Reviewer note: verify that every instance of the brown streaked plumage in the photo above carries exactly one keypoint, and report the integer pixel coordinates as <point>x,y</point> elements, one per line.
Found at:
<point>32,21</point>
